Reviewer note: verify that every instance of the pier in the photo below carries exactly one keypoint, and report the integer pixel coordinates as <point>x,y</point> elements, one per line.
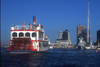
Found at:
<point>58,45</point>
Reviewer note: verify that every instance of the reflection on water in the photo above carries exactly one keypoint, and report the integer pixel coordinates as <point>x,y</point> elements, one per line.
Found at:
<point>52,58</point>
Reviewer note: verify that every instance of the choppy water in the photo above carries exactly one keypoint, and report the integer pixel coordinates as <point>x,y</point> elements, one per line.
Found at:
<point>53,58</point>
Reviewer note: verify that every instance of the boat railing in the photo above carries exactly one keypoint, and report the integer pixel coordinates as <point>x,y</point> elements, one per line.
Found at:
<point>21,27</point>
<point>26,27</point>
<point>22,37</point>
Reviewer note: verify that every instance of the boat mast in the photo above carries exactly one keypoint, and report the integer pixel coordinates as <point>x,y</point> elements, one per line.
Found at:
<point>88,26</point>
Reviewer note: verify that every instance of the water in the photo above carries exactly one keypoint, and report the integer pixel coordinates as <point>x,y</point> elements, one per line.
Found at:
<point>52,58</point>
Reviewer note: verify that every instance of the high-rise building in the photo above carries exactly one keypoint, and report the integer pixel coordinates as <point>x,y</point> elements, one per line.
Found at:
<point>60,35</point>
<point>79,28</point>
<point>64,37</point>
<point>84,35</point>
<point>98,37</point>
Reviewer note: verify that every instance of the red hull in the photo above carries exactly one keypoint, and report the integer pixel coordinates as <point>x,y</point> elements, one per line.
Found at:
<point>21,44</point>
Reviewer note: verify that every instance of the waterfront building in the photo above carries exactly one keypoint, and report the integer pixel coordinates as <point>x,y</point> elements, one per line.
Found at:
<point>79,29</point>
<point>64,38</point>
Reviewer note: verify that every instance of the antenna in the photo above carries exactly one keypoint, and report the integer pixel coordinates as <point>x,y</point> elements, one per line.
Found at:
<point>88,25</point>
<point>39,19</point>
<point>32,20</point>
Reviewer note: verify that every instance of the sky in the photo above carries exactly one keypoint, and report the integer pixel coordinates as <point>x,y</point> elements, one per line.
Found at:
<point>54,15</point>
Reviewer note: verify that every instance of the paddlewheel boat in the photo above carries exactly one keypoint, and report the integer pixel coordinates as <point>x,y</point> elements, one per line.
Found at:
<point>28,38</point>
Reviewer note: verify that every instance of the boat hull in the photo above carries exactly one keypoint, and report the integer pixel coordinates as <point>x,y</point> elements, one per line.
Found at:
<point>26,44</point>
<point>80,47</point>
<point>89,47</point>
<point>98,48</point>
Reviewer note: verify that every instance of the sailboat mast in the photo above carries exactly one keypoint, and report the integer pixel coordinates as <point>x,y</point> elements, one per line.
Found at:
<point>88,26</point>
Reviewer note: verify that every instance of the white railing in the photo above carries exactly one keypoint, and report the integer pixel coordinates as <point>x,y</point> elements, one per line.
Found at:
<point>19,27</point>
<point>26,27</point>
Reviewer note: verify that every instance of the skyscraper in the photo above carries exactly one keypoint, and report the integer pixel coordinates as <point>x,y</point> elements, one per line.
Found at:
<point>79,28</point>
<point>98,37</point>
<point>84,35</point>
<point>60,35</point>
<point>66,35</point>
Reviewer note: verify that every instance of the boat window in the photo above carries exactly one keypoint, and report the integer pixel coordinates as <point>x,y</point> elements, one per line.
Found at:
<point>27,34</point>
<point>40,35</point>
<point>45,44</point>
<point>33,34</point>
<point>21,34</point>
<point>14,34</point>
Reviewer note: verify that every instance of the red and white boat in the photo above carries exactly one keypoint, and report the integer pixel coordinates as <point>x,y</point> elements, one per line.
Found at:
<point>28,38</point>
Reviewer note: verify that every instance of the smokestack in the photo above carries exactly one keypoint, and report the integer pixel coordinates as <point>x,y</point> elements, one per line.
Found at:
<point>34,19</point>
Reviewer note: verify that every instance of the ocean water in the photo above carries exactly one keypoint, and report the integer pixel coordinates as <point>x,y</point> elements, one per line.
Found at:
<point>52,58</point>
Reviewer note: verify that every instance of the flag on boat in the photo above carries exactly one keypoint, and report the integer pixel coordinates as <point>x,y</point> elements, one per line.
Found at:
<point>23,25</point>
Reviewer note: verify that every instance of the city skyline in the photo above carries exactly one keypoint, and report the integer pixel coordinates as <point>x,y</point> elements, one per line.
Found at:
<point>54,15</point>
